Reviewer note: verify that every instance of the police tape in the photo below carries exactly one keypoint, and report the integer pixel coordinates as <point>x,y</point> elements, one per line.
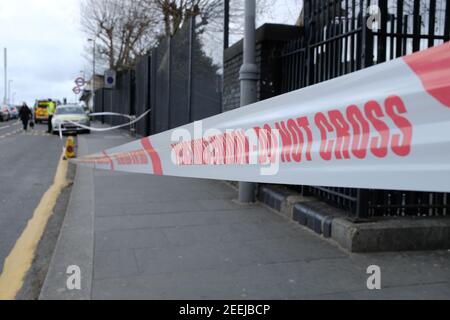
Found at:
<point>98,114</point>
<point>132,121</point>
<point>384,127</point>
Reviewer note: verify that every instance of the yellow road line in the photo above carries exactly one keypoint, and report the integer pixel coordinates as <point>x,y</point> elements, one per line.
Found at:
<point>21,256</point>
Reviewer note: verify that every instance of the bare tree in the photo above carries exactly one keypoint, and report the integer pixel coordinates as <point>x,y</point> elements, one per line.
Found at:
<point>176,12</point>
<point>212,29</point>
<point>127,29</point>
<point>124,29</point>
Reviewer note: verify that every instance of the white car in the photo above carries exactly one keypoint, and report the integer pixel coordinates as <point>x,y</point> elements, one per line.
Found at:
<point>73,113</point>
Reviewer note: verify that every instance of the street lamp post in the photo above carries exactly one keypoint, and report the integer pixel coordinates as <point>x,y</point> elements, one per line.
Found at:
<point>249,76</point>
<point>6,75</point>
<point>93,72</point>
<point>9,90</point>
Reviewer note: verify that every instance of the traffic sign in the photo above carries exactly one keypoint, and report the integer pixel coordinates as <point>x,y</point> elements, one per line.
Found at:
<point>110,79</point>
<point>76,90</point>
<point>80,82</point>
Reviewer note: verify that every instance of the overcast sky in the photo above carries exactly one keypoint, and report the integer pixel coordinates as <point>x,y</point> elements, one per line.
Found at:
<point>283,11</point>
<point>45,45</point>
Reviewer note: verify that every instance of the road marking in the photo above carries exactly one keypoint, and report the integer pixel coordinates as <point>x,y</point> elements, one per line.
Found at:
<point>21,256</point>
<point>37,133</point>
<point>9,126</point>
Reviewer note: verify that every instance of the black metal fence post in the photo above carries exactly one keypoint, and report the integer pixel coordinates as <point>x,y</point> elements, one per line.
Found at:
<point>169,83</point>
<point>148,95</point>
<point>153,80</point>
<point>191,57</point>
<point>447,22</point>
<point>309,31</point>
<point>367,43</point>
<point>226,25</point>
<point>362,204</point>
<point>103,105</point>
<point>131,80</point>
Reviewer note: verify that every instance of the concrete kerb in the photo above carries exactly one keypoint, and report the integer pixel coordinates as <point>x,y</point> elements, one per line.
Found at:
<point>389,234</point>
<point>402,234</point>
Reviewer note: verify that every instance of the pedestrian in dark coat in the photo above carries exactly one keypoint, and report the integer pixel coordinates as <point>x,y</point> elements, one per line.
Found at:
<point>25,115</point>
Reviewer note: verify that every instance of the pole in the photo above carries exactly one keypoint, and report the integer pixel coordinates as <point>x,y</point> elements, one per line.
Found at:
<point>93,77</point>
<point>169,83</point>
<point>9,91</point>
<point>93,72</point>
<point>191,56</point>
<point>249,76</point>
<point>83,75</point>
<point>226,25</point>
<point>6,76</point>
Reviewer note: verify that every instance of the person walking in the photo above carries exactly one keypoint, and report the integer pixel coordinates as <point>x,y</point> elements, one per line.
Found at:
<point>51,111</point>
<point>25,115</point>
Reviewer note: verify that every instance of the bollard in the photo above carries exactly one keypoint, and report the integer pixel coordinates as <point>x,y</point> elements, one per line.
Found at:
<point>70,148</point>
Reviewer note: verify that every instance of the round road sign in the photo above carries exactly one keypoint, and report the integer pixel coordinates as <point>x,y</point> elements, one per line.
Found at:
<point>76,90</point>
<point>80,82</point>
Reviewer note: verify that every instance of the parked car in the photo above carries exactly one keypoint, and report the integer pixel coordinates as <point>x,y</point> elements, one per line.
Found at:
<point>70,112</point>
<point>4,113</point>
<point>13,112</point>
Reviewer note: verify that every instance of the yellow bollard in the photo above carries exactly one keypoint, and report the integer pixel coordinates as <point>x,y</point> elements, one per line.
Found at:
<point>70,148</point>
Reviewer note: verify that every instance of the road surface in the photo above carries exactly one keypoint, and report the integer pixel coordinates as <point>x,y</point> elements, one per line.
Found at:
<point>27,167</point>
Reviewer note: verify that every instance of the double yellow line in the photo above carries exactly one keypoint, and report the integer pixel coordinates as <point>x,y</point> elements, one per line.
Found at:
<point>21,257</point>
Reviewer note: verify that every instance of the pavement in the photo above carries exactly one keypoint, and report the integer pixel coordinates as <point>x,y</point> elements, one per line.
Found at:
<point>148,237</point>
<point>27,167</point>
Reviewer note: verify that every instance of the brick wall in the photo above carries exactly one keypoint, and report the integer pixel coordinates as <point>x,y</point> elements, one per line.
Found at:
<point>270,40</point>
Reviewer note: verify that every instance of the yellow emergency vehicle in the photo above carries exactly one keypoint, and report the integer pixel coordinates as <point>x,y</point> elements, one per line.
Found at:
<point>41,111</point>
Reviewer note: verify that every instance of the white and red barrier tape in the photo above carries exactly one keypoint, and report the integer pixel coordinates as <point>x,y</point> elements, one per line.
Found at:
<point>132,120</point>
<point>385,127</point>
